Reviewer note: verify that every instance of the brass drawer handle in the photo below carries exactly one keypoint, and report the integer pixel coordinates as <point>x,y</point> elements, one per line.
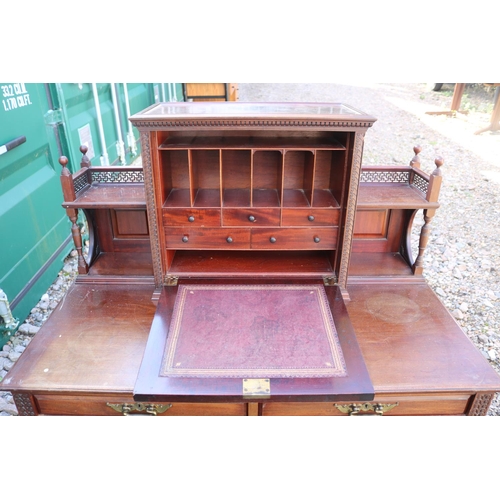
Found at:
<point>366,409</point>
<point>139,408</point>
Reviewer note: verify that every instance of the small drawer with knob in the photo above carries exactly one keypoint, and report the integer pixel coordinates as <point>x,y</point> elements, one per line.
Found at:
<point>201,217</point>
<point>310,217</point>
<point>324,238</point>
<point>253,217</point>
<point>187,237</point>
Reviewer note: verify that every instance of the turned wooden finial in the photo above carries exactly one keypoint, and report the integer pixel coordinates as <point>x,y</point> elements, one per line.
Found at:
<point>64,161</point>
<point>439,163</point>
<point>415,162</point>
<point>85,160</point>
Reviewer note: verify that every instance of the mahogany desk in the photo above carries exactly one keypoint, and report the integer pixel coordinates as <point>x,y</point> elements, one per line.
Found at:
<point>252,195</point>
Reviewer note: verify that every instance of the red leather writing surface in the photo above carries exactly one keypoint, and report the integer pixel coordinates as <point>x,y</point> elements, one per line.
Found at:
<point>254,331</point>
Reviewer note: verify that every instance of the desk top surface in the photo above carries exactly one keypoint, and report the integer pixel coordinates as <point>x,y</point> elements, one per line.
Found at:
<point>95,340</point>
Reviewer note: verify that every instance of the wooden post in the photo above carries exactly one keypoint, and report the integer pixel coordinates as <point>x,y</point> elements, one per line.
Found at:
<point>414,163</point>
<point>457,96</point>
<point>418,266</point>
<point>432,196</point>
<point>455,102</point>
<point>435,181</point>
<point>72,213</point>
<point>495,116</point>
<point>85,164</point>
<point>67,181</point>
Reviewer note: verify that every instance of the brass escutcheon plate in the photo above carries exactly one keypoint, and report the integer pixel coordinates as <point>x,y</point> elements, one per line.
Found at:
<point>366,408</point>
<point>139,408</point>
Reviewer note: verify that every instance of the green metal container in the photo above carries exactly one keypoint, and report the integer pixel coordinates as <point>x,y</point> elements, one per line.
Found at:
<point>34,229</point>
<point>38,123</point>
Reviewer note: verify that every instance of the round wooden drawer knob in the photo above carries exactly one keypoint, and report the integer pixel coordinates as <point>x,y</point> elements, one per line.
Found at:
<point>185,239</point>
<point>272,239</point>
<point>191,218</point>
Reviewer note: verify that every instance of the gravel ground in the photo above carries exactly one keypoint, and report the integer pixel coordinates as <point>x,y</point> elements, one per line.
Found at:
<point>462,262</point>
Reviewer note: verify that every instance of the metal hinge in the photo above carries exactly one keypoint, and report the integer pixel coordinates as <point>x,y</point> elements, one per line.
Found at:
<point>171,280</point>
<point>53,117</point>
<point>329,280</point>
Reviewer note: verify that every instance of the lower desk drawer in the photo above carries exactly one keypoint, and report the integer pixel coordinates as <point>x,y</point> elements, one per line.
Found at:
<point>98,405</point>
<point>311,238</point>
<point>418,405</point>
<point>181,238</point>
<point>456,404</point>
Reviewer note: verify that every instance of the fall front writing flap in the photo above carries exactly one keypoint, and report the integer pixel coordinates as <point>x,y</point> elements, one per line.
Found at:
<point>209,335</point>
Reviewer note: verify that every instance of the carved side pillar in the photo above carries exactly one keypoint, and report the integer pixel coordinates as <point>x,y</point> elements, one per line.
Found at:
<point>350,213</point>
<point>147,168</point>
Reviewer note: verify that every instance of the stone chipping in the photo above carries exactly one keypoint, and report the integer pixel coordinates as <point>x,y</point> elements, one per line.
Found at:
<point>462,260</point>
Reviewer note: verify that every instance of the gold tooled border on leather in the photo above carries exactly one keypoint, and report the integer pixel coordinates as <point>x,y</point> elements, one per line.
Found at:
<point>337,370</point>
